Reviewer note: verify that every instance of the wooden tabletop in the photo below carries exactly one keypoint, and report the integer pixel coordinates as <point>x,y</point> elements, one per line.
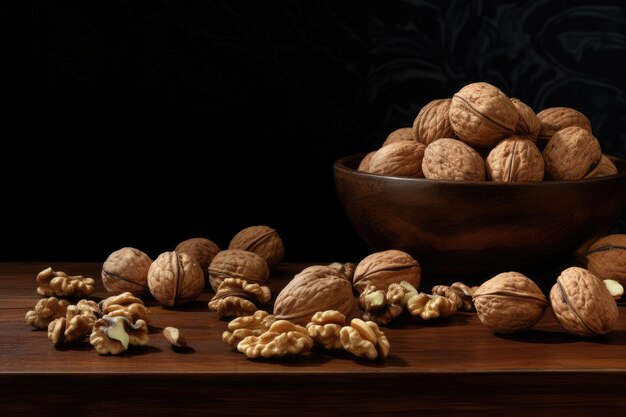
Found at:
<point>453,366</point>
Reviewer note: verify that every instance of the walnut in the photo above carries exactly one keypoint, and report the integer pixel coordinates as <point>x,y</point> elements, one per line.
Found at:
<point>74,326</point>
<point>403,159</point>
<point>113,335</point>
<point>382,306</point>
<point>432,122</point>
<point>605,168</point>
<point>202,250</point>
<point>365,162</point>
<point>481,114</point>
<point>237,263</point>
<point>582,304</point>
<point>237,297</point>
<point>509,302</point>
<point>381,269</point>
<point>515,159</point>
<point>554,119</point>
<point>528,124</point>
<point>463,299</point>
<point>347,269</point>
<point>429,307</point>
<point>126,305</point>
<point>262,240</point>
<point>46,310</point>
<point>451,159</point>
<point>365,340</point>
<point>56,331</point>
<point>175,278</point>
<point>324,328</point>
<point>404,133</point>
<point>572,153</point>
<point>174,336</point>
<point>242,327</point>
<point>606,258</point>
<point>316,288</point>
<point>126,269</point>
<point>615,288</point>
<point>281,339</point>
<point>58,283</point>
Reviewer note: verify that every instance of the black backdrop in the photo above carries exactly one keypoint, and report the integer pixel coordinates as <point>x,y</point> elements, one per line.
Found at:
<point>276,90</point>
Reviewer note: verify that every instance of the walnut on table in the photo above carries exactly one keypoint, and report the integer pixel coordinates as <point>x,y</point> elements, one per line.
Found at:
<point>325,327</point>
<point>46,310</point>
<point>237,297</point>
<point>75,325</point>
<point>365,340</point>
<point>281,339</point>
<point>428,306</point>
<point>113,335</point>
<point>380,306</point>
<point>125,305</point>
<point>459,293</point>
<point>242,327</point>
<point>58,283</point>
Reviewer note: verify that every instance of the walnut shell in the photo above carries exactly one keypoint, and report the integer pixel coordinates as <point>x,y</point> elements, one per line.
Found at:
<point>404,133</point>
<point>316,288</point>
<point>554,119</point>
<point>403,159</point>
<point>605,168</point>
<point>126,269</point>
<point>515,159</point>
<point>606,258</point>
<point>582,304</point>
<point>481,114</point>
<point>238,263</point>
<point>365,162</point>
<point>175,278</point>
<point>451,159</point>
<point>202,250</point>
<point>509,302</point>
<point>572,153</point>
<point>432,122</point>
<point>262,240</point>
<point>382,269</point>
<point>528,124</point>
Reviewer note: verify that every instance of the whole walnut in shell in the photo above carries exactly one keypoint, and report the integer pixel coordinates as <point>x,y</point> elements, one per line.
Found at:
<point>582,304</point>
<point>403,159</point>
<point>238,263</point>
<point>554,119</point>
<point>451,159</point>
<point>606,258</point>
<point>509,302</point>
<point>262,240</point>
<point>481,114</point>
<point>404,133</point>
<point>202,250</point>
<point>432,122</point>
<point>572,153</point>
<point>381,269</point>
<point>528,124</point>
<point>126,269</point>
<point>316,288</point>
<point>175,278</point>
<point>515,159</point>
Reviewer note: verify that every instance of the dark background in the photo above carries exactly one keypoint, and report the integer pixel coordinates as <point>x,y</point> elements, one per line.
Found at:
<point>275,90</point>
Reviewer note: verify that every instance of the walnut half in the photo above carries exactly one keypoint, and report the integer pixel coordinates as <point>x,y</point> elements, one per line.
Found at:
<point>46,310</point>
<point>113,335</point>
<point>58,283</point>
<point>281,339</point>
<point>365,340</point>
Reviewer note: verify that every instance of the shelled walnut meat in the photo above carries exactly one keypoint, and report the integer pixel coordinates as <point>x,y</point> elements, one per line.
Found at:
<point>238,263</point>
<point>58,283</point>
<point>237,297</point>
<point>262,240</point>
<point>125,270</point>
<point>175,278</point>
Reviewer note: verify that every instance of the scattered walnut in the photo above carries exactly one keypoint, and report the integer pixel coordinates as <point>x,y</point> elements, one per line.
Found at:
<point>316,288</point>
<point>509,302</point>
<point>382,269</point>
<point>281,339</point>
<point>572,153</point>
<point>364,339</point>
<point>238,263</point>
<point>346,269</point>
<point>382,306</point>
<point>113,335</point>
<point>429,307</point>
<point>57,283</point>
<point>237,297</point>
<point>242,327</point>
<point>175,278</point>
<point>528,124</point>
<point>582,304</point>
<point>46,310</point>
<point>365,162</point>
<point>481,114</point>
<point>554,119</point>
<point>126,305</point>
<point>615,288</point>
<point>173,335</point>
<point>605,168</point>
<point>126,269</point>
<point>202,250</point>
<point>515,159</point>
<point>75,325</point>
<point>404,133</point>
<point>606,258</point>
<point>451,159</point>
<point>325,327</point>
<point>56,331</point>
<point>432,122</point>
<point>262,240</point>
<point>463,292</point>
<point>403,159</point>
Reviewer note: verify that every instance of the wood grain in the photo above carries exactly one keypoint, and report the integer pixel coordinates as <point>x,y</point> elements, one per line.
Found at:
<point>449,367</point>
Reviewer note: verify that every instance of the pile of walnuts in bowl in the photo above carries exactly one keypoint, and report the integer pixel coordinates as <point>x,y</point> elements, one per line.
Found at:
<point>481,134</point>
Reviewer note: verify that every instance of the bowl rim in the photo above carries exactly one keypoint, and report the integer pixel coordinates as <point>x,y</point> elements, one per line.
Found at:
<point>340,164</point>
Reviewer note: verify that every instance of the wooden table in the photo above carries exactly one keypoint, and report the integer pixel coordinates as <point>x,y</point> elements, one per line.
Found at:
<point>449,367</point>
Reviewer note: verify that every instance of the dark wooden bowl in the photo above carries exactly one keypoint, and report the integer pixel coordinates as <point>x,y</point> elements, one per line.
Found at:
<point>466,229</point>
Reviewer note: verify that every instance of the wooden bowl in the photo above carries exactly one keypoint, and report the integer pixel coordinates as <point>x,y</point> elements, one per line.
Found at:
<point>466,229</point>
